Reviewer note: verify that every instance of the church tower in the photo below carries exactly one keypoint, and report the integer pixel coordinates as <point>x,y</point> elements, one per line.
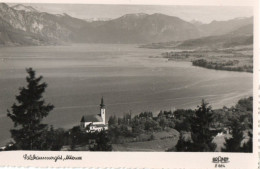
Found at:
<point>103,110</point>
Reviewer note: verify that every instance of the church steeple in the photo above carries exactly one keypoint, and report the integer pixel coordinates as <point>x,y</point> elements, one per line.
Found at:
<point>103,111</point>
<point>102,105</point>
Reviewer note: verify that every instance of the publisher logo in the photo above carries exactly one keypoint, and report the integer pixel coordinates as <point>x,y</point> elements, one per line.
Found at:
<point>220,161</point>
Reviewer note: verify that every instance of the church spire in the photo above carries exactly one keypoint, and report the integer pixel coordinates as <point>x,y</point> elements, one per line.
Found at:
<point>102,105</point>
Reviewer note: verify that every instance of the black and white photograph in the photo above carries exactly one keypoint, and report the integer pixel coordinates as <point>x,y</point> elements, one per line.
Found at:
<point>126,78</point>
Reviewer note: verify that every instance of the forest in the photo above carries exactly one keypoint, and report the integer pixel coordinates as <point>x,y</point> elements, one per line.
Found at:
<point>228,65</point>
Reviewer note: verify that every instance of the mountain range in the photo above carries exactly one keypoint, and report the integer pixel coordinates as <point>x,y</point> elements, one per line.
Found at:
<point>242,36</point>
<point>24,25</point>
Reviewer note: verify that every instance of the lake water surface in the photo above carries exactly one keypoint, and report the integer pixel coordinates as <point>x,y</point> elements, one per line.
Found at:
<point>127,76</point>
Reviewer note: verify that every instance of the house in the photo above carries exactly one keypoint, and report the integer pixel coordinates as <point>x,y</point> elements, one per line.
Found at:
<point>92,123</point>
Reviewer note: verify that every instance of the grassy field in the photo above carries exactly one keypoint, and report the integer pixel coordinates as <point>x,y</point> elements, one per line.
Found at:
<point>161,142</point>
<point>152,146</point>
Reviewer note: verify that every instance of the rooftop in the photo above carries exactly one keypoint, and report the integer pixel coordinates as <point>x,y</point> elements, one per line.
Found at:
<point>91,118</point>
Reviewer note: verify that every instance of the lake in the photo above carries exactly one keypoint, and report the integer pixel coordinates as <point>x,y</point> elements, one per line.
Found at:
<point>130,79</point>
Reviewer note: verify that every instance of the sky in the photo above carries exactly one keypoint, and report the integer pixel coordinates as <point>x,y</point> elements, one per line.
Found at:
<point>204,14</point>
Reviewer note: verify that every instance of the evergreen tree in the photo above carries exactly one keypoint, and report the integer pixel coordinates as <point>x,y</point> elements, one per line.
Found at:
<point>200,129</point>
<point>27,115</point>
<point>233,144</point>
<point>53,139</point>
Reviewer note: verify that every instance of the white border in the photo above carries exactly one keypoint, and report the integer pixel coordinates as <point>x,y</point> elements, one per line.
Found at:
<point>174,160</point>
<point>146,2</point>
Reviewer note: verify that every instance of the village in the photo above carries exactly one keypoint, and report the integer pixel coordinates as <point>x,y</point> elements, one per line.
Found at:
<point>146,132</point>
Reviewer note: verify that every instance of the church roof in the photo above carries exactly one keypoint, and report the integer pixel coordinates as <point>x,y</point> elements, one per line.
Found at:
<point>91,118</point>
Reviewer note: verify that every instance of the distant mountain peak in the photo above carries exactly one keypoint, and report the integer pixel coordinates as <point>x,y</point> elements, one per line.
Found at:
<point>241,18</point>
<point>97,19</point>
<point>135,15</point>
<point>196,22</point>
<point>234,19</point>
<point>158,14</point>
<point>144,15</point>
<point>21,7</point>
<point>62,15</point>
<point>65,14</point>
<point>3,6</point>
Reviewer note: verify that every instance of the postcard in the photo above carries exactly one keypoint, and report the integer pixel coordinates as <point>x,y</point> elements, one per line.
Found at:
<point>129,84</point>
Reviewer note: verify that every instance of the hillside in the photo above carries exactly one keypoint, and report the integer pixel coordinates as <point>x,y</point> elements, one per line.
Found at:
<point>216,28</point>
<point>12,36</point>
<point>215,42</point>
<point>242,36</point>
<point>239,37</point>
<point>23,27</point>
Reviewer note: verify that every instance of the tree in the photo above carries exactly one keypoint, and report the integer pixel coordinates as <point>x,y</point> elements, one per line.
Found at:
<point>248,146</point>
<point>200,129</point>
<point>102,142</point>
<point>53,139</point>
<point>27,115</point>
<point>112,121</point>
<point>233,144</point>
<point>151,125</point>
<point>183,145</point>
<point>182,119</point>
<point>245,104</point>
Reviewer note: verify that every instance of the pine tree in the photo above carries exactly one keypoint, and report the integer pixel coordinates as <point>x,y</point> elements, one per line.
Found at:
<point>200,129</point>
<point>27,115</point>
<point>52,139</point>
<point>233,144</point>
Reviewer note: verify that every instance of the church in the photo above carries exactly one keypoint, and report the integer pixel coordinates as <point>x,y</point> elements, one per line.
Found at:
<point>92,123</point>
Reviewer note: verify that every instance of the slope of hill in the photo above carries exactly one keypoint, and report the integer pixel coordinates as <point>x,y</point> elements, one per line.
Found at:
<point>223,27</point>
<point>12,36</point>
<point>31,24</point>
<point>215,42</point>
<point>244,30</point>
<point>238,37</point>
